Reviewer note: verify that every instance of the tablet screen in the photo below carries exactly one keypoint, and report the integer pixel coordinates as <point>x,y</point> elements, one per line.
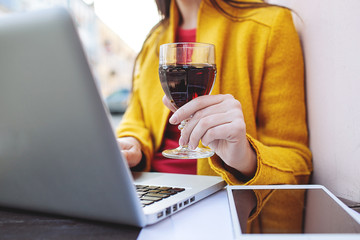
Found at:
<point>291,211</point>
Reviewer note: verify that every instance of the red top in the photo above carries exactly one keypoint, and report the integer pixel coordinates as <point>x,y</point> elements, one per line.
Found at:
<point>186,35</point>
<point>172,133</point>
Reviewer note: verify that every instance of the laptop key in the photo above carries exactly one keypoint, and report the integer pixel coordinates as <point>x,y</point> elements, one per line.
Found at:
<point>169,192</point>
<point>146,202</point>
<point>154,191</point>
<point>151,194</point>
<point>178,189</point>
<point>140,194</point>
<point>157,195</point>
<point>142,190</point>
<point>155,199</point>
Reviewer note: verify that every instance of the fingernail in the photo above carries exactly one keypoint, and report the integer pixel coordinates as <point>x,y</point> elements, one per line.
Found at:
<point>182,142</point>
<point>173,119</point>
<point>191,147</point>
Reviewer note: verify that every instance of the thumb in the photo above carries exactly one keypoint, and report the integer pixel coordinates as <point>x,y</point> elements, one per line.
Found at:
<point>168,103</point>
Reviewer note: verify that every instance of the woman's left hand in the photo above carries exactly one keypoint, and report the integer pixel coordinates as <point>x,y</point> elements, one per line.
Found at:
<point>218,121</point>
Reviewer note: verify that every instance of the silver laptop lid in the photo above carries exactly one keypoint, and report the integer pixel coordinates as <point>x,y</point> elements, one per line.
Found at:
<point>55,135</point>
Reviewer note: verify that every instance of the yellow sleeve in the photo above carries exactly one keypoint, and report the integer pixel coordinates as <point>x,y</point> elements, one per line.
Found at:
<point>281,144</point>
<point>133,123</point>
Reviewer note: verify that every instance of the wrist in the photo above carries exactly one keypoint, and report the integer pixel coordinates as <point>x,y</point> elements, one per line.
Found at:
<point>250,161</point>
<point>244,165</point>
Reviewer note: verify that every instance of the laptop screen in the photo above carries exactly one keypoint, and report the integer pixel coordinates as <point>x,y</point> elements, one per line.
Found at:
<point>291,211</point>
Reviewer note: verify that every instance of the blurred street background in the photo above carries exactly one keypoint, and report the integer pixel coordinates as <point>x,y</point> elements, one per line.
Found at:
<point>112,33</point>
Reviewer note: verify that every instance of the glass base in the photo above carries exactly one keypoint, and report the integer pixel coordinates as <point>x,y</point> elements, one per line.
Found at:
<point>183,152</point>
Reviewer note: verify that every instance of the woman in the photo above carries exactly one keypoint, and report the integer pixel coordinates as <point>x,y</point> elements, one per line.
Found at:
<point>255,119</point>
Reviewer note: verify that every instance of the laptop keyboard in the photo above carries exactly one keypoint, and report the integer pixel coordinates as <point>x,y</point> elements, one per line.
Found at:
<point>150,194</point>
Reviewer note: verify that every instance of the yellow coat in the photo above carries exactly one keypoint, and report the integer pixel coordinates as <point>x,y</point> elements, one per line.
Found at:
<point>259,61</point>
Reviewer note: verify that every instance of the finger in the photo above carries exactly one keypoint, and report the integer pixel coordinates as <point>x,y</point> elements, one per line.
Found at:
<point>167,102</point>
<point>204,125</point>
<point>231,132</point>
<point>195,105</point>
<point>131,149</point>
<point>133,158</point>
<point>229,110</point>
<point>123,144</point>
<point>194,120</point>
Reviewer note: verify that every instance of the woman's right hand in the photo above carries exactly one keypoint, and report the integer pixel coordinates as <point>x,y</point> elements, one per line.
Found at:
<point>131,149</point>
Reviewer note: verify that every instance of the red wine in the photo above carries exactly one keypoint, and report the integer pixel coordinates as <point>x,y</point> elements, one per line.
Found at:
<point>182,83</point>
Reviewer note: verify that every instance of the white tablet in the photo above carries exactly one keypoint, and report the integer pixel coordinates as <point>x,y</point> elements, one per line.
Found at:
<point>290,212</point>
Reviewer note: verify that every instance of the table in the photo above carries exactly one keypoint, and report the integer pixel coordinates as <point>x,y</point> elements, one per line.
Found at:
<point>17,224</point>
<point>207,219</point>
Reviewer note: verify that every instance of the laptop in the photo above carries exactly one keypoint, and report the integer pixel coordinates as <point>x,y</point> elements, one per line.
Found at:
<point>58,151</point>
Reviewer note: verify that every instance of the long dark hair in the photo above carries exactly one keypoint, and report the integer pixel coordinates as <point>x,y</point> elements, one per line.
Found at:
<point>164,6</point>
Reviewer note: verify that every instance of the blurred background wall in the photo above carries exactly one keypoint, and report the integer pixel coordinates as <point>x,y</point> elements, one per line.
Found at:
<point>112,33</point>
<point>330,34</point>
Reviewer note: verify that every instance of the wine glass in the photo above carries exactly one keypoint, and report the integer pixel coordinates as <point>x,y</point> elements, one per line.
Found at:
<point>187,70</point>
